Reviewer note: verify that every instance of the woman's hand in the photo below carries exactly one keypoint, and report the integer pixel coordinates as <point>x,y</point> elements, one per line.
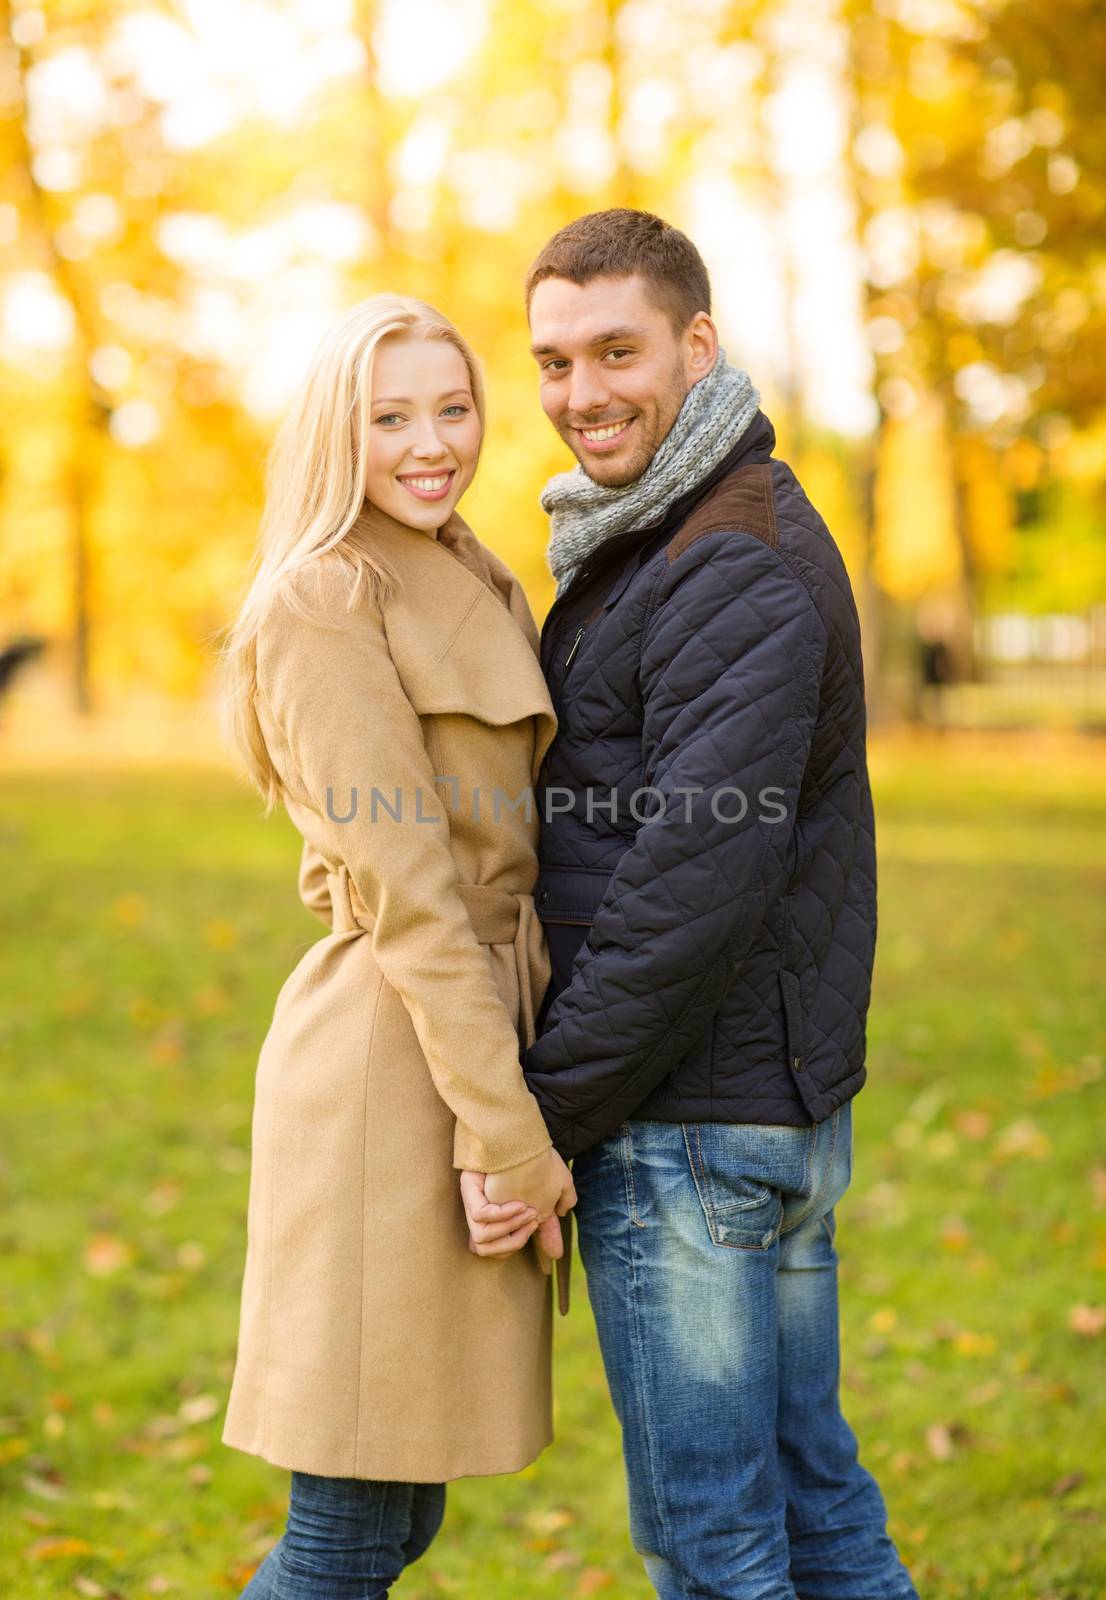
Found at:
<point>495,1230</point>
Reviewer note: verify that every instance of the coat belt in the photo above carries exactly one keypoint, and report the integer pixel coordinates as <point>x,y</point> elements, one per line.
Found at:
<point>497,917</point>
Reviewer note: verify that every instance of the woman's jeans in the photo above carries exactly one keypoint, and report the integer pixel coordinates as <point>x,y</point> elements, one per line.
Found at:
<point>712,1274</point>
<point>347,1538</point>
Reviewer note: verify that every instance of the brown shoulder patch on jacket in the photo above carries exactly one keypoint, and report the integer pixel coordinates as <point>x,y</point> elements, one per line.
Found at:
<point>741,503</point>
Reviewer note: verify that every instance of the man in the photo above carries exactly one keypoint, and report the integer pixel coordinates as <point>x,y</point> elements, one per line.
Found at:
<point>708,891</point>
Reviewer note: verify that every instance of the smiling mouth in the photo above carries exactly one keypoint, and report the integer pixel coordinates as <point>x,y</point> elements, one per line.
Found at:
<point>429,485</point>
<point>607,436</point>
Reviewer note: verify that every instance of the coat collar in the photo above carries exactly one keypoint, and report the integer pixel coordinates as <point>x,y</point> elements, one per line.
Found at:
<point>459,627</point>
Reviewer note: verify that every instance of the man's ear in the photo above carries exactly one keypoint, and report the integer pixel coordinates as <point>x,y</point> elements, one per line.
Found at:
<point>700,346</point>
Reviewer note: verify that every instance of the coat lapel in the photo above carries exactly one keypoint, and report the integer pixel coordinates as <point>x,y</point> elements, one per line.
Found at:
<point>460,630</point>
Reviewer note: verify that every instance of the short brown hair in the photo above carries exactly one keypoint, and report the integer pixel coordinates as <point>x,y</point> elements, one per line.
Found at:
<point>620,243</point>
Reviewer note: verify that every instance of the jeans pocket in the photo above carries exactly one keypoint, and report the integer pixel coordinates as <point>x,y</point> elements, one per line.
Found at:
<point>742,1172</point>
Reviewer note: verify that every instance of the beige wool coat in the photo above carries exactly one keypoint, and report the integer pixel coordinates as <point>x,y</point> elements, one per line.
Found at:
<point>372,1343</point>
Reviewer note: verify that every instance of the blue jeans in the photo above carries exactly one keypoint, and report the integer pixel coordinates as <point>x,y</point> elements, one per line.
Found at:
<point>347,1538</point>
<point>712,1274</point>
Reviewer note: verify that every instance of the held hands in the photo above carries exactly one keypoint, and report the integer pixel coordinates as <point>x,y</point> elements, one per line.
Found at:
<point>506,1209</point>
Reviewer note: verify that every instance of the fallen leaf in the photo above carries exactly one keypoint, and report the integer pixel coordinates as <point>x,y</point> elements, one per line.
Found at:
<point>943,1438</point>
<point>1052,1080</point>
<point>200,1408</point>
<point>184,1448</point>
<point>561,1560</point>
<point>1065,1485</point>
<point>939,1442</point>
<point>984,1393</point>
<point>46,1489</point>
<point>1022,1138</point>
<point>967,1343</point>
<point>551,1521</point>
<point>1088,1321</point>
<point>955,1234</point>
<point>167,1045</point>
<point>972,1124</point>
<point>104,1254</point>
<point>55,1549</point>
<point>592,1579</point>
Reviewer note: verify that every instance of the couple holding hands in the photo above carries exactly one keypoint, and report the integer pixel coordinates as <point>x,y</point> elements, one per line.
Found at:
<point>604,896</point>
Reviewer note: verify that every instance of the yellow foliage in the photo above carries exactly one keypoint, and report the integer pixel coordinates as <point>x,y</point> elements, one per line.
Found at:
<point>915,539</point>
<point>987,502</point>
<point>829,487</point>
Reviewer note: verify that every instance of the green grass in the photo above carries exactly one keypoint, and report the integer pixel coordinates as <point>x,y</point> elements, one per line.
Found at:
<point>148,920</point>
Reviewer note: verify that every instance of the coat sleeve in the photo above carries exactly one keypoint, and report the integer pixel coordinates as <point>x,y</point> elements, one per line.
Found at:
<point>312,884</point>
<point>340,721</point>
<point>732,657</point>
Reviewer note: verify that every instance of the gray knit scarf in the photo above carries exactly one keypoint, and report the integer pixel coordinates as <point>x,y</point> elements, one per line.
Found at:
<point>584,514</point>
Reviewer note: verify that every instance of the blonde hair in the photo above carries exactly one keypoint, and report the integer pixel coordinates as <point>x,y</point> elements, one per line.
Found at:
<point>315,492</point>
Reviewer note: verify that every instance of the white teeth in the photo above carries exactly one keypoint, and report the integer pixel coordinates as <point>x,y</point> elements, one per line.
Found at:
<point>431,485</point>
<point>594,435</point>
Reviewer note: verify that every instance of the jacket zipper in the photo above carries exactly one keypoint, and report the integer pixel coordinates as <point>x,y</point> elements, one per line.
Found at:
<point>575,645</point>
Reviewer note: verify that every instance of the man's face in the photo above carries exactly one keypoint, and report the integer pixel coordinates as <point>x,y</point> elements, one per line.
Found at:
<point>614,373</point>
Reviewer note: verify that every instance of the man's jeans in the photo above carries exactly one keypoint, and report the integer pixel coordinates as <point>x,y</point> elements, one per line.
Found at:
<point>712,1273</point>
<point>347,1538</point>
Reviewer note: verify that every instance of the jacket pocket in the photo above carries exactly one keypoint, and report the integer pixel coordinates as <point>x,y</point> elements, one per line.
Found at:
<point>570,894</point>
<point>792,998</point>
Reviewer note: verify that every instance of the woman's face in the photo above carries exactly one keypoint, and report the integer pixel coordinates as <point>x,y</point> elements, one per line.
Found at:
<point>424,433</point>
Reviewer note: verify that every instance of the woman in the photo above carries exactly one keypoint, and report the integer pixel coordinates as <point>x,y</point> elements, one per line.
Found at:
<point>383,681</point>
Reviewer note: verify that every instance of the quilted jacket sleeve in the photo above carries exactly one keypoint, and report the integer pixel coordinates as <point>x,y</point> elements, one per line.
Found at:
<point>336,717</point>
<point>732,657</point>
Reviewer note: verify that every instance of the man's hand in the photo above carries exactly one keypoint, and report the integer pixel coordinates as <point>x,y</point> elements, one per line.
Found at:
<point>504,1209</point>
<point>544,1182</point>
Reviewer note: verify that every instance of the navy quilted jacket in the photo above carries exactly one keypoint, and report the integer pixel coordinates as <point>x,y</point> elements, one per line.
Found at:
<point>707,878</point>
